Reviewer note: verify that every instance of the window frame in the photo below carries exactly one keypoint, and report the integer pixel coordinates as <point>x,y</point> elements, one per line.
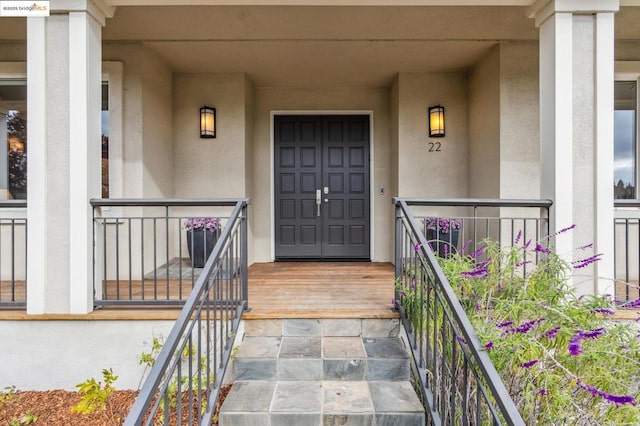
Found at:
<point>630,71</point>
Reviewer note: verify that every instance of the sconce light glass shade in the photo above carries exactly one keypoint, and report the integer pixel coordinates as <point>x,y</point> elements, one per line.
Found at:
<point>207,122</point>
<point>436,121</point>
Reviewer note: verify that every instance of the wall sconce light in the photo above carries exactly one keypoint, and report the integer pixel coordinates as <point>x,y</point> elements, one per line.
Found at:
<point>207,122</point>
<point>436,121</point>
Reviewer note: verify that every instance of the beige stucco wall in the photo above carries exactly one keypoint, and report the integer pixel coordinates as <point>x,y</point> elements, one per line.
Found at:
<point>210,168</point>
<point>147,134</point>
<point>427,174</point>
<point>519,137</point>
<point>484,125</point>
<point>268,100</point>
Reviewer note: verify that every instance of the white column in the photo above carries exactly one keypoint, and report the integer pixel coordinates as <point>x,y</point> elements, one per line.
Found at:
<point>576,119</point>
<point>64,58</point>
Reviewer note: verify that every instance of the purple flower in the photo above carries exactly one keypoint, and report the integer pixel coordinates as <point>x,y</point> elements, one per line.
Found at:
<point>519,264</point>
<point>632,304</point>
<point>202,224</point>
<point>563,230</point>
<point>526,245</point>
<point>529,363</point>
<point>592,334</point>
<point>543,392</point>
<point>479,251</point>
<point>575,348</point>
<point>517,240</point>
<point>442,224</point>
<point>577,264</point>
<point>416,247</point>
<point>585,247</point>
<point>478,307</point>
<point>489,345</point>
<point>504,324</point>
<point>603,311</point>
<point>524,327</point>
<point>615,399</point>
<point>478,272</point>
<point>461,340</point>
<point>466,245</point>
<point>552,333</point>
<point>541,249</point>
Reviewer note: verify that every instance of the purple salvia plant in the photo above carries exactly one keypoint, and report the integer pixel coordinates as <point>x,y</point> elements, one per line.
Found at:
<point>518,237</point>
<point>541,249</point>
<point>551,334</point>
<point>577,264</point>
<point>632,304</point>
<point>614,399</point>
<point>475,273</point>
<point>603,311</point>
<point>489,345</point>
<point>575,348</point>
<point>529,363</point>
<point>525,327</point>
<point>563,230</point>
<point>504,324</point>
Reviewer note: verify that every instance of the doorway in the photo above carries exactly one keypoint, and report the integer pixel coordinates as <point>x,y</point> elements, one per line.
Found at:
<point>321,183</point>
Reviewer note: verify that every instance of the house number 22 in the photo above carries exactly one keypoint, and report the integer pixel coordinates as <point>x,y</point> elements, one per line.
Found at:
<point>435,147</point>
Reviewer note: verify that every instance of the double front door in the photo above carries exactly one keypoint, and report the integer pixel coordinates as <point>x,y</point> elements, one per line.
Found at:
<point>322,187</point>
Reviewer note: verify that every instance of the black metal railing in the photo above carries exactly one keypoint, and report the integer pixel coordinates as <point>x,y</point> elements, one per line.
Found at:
<point>13,253</point>
<point>450,225</point>
<point>626,235</point>
<point>143,253</point>
<point>184,382</point>
<point>459,382</point>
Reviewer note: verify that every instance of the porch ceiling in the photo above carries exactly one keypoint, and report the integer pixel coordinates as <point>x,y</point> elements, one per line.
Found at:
<point>326,46</point>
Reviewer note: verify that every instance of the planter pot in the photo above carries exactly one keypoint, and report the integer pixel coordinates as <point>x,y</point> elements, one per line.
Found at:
<point>200,245</point>
<point>443,243</point>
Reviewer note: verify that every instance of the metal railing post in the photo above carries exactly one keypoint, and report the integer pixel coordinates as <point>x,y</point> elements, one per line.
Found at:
<point>244,255</point>
<point>398,251</point>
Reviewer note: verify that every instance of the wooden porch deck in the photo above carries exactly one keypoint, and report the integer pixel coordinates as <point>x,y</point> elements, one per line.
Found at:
<point>321,290</point>
<point>276,290</point>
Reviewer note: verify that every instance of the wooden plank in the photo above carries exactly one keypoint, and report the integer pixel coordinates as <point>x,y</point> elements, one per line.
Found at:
<point>276,290</point>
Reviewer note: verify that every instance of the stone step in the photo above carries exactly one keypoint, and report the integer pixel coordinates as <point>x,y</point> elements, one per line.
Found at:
<point>321,358</point>
<point>326,403</point>
<point>321,372</point>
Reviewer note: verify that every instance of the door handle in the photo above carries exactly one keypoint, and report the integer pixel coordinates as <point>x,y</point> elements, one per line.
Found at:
<point>318,200</point>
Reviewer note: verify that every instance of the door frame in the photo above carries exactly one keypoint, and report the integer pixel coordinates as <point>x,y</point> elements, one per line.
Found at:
<point>372,198</point>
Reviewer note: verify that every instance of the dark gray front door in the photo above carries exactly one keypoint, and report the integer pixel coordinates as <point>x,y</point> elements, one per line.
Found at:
<point>322,187</point>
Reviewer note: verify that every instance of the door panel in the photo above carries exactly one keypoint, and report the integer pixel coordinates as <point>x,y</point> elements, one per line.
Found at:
<point>313,153</point>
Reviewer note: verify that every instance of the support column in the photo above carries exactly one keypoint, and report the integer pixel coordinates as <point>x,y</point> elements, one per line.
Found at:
<point>64,77</point>
<point>576,119</point>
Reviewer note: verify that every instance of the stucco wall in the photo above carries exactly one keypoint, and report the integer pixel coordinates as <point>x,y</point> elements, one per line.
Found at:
<point>427,174</point>
<point>484,124</point>
<point>335,99</point>
<point>148,122</point>
<point>211,168</point>
<point>519,120</point>
<point>82,350</point>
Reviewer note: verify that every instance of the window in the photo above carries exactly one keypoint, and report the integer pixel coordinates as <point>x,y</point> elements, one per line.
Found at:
<point>625,171</point>
<point>13,138</point>
<point>105,139</point>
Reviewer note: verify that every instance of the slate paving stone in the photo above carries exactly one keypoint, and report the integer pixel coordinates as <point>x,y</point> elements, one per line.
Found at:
<point>385,348</point>
<point>301,327</point>
<point>249,397</point>
<point>263,328</point>
<point>259,347</point>
<point>342,347</point>
<point>301,347</point>
<point>303,397</point>
<point>255,369</point>
<point>299,369</point>
<point>380,327</point>
<point>347,397</point>
<point>313,380</point>
<point>393,397</point>
<point>296,419</point>
<point>344,369</point>
<point>388,369</point>
<point>341,327</point>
